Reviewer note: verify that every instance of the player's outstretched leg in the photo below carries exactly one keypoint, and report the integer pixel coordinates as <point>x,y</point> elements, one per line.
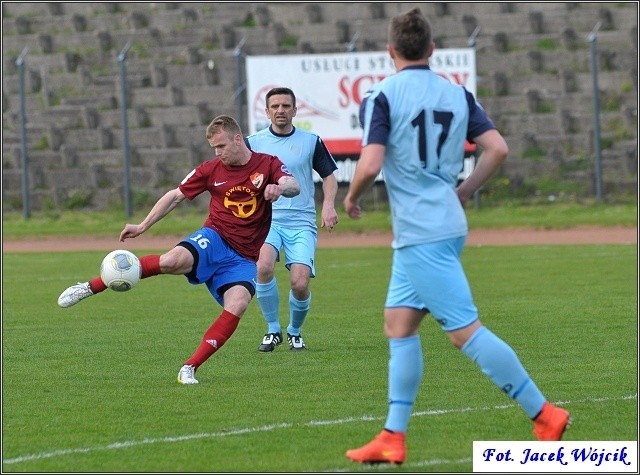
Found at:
<point>149,266</point>
<point>72,295</point>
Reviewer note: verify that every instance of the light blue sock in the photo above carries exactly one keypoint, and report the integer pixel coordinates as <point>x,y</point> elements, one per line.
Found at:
<point>269,302</point>
<point>501,364</point>
<point>405,375</point>
<point>298,310</point>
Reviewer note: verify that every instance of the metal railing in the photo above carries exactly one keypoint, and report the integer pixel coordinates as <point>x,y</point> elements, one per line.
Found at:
<point>126,149</point>
<point>592,38</point>
<point>24,156</point>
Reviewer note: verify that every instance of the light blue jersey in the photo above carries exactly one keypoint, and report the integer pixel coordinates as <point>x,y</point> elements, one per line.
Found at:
<point>302,152</point>
<point>423,120</point>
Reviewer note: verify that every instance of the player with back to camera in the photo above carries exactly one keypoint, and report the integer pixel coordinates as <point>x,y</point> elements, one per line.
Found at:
<point>293,227</point>
<point>415,125</point>
<point>223,253</point>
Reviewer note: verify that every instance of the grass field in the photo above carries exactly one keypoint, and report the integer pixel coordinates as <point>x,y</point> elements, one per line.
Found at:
<point>93,388</point>
<point>551,216</point>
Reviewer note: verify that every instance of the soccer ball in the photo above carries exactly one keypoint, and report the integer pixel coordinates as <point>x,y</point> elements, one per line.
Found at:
<point>120,270</point>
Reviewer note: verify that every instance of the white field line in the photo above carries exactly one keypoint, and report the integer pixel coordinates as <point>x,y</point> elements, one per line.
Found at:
<point>285,425</point>
<point>384,467</point>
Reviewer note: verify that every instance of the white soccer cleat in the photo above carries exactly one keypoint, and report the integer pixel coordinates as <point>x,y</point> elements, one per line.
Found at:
<point>74,294</point>
<point>296,342</point>
<point>187,375</point>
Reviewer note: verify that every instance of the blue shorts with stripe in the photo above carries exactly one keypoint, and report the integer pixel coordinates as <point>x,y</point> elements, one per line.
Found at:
<point>218,264</point>
<point>430,277</point>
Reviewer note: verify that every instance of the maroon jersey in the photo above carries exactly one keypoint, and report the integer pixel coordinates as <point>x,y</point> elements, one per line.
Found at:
<point>237,210</point>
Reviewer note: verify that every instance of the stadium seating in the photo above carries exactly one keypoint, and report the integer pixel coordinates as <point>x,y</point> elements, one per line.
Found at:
<point>533,68</point>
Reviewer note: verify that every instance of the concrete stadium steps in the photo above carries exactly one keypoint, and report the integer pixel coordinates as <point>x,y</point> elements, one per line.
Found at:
<point>519,84</point>
<point>62,116</point>
<point>329,12</point>
<point>73,85</point>
<point>547,124</point>
<point>258,41</point>
<point>39,161</point>
<point>33,62</point>
<point>627,165</point>
<point>36,134</point>
<point>95,16</point>
<point>521,141</point>
<point>580,18</point>
<point>163,136</point>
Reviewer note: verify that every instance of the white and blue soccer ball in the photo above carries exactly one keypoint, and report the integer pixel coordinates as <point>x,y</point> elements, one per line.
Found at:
<point>120,270</point>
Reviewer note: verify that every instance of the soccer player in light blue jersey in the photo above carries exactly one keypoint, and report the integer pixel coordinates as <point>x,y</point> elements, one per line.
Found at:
<point>415,126</point>
<point>293,226</point>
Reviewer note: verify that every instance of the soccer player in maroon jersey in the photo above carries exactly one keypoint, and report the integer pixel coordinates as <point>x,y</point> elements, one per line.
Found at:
<point>223,253</point>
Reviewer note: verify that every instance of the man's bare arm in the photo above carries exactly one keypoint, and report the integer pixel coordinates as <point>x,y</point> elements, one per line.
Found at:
<point>494,153</point>
<point>163,206</point>
<point>287,186</point>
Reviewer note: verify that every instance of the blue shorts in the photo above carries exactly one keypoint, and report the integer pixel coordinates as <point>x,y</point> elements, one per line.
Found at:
<point>430,277</point>
<point>299,245</point>
<point>218,264</point>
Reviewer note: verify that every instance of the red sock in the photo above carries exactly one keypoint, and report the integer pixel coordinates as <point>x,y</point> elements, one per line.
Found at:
<point>96,285</point>
<point>216,336</point>
<point>150,266</point>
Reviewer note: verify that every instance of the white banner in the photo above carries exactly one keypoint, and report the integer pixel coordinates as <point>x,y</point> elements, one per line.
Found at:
<point>329,88</point>
<point>555,457</point>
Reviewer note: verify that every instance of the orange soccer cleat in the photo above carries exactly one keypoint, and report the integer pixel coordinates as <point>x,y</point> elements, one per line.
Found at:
<point>551,423</point>
<point>387,447</point>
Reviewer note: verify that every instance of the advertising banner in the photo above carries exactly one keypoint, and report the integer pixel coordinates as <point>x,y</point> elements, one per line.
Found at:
<point>329,90</point>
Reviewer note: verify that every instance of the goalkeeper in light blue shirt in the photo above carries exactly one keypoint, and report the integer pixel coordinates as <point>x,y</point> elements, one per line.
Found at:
<point>293,225</point>
<point>415,126</point>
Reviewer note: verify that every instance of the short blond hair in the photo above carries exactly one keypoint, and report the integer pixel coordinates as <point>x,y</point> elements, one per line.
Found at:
<point>223,123</point>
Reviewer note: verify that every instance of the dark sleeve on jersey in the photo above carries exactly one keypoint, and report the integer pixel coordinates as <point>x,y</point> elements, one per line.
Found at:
<point>479,122</point>
<point>380,125</point>
<point>323,162</point>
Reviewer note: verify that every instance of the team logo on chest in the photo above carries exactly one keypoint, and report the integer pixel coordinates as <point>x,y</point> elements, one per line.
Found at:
<point>257,179</point>
<point>243,203</point>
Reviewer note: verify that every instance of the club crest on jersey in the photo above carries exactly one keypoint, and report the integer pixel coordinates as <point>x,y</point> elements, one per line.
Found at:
<point>241,201</point>
<point>257,179</point>
<point>285,169</point>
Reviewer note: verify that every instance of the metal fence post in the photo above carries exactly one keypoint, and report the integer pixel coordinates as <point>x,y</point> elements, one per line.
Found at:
<point>596,110</point>
<point>240,85</point>
<point>26,208</point>
<point>122,58</point>
<point>471,43</point>
<point>352,47</point>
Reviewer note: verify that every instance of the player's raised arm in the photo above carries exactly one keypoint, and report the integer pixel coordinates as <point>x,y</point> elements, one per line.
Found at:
<point>287,186</point>
<point>163,206</point>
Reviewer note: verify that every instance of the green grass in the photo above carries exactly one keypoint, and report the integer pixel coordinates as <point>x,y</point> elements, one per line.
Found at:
<point>183,221</point>
<point>92,388</point>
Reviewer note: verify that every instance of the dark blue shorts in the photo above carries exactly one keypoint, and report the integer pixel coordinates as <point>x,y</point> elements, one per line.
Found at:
<point>217,264</point>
